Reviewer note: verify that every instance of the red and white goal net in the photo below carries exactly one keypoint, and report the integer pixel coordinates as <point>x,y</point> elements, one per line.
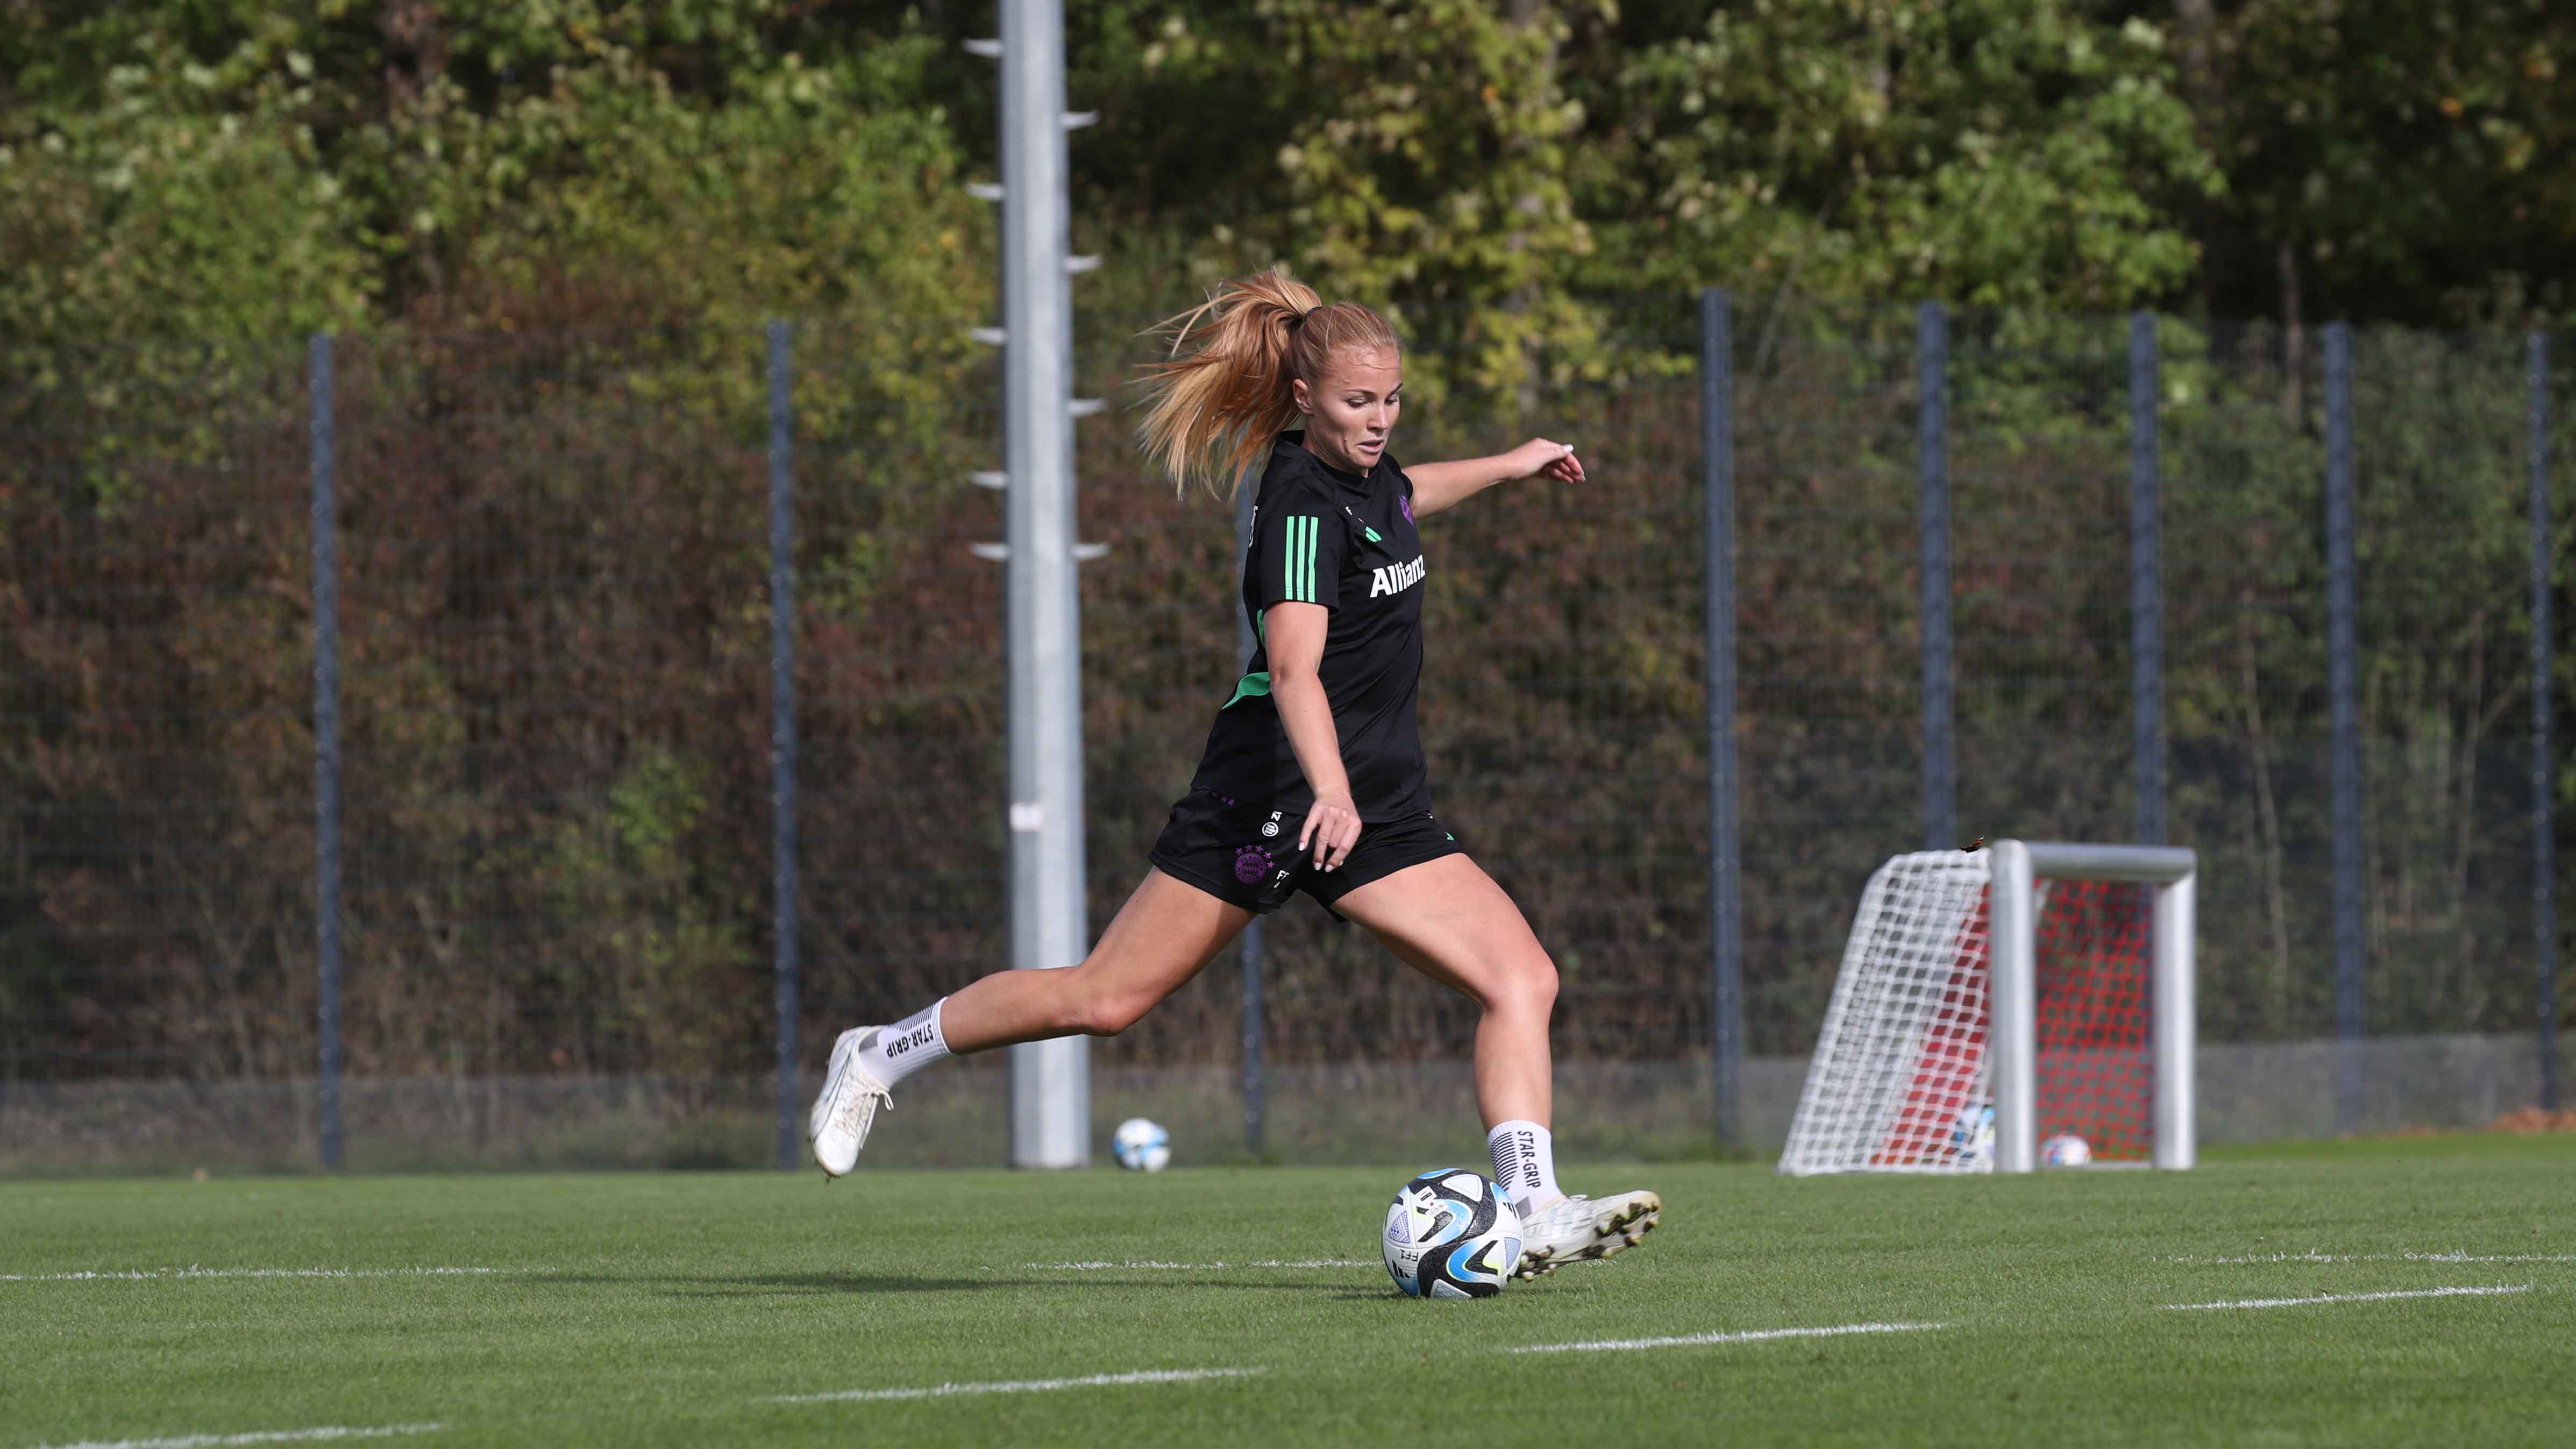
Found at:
<point>1907,1071</point>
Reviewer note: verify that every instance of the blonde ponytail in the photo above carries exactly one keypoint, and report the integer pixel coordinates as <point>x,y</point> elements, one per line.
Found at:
<point>1210,414</point>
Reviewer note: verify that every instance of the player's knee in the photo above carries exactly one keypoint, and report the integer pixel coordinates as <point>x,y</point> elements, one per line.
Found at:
<point>1543,985</point>
<point>1107,1011</point>
<point>1528,988</point>
<point>1112,1015</point>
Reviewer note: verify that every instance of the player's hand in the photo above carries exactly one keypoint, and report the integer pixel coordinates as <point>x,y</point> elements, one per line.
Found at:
<point>1539,456</point>
<point>1331,829</point>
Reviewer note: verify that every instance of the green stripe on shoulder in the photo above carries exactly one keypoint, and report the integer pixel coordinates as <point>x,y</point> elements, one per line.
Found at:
<point>1298,580</point>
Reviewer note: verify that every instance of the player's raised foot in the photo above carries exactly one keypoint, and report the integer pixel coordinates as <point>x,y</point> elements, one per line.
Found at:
<point>1572,1229</point>
<point>848,1104</point>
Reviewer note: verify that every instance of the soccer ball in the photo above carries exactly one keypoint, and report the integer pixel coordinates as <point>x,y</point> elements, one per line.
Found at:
<point>1141,1146</point>
<point>2066,1150</point>
<point>1450,1233</point>
<point>1972,1136</point>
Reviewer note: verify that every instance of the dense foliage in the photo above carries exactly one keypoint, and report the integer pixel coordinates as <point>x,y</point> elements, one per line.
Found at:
<point>235,166</point>
<point>549,235</point>
<point>554,695</point>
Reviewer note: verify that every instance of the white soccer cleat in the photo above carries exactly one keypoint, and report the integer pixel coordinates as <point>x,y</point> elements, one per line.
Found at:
<point>1572,1229</point>
<point>848,1104</point>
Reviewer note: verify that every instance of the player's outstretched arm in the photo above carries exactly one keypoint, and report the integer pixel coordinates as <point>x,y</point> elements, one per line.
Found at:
<point>1445,485</point>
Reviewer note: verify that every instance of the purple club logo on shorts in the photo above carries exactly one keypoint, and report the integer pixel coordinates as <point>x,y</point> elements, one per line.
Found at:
<point>1251,863</point>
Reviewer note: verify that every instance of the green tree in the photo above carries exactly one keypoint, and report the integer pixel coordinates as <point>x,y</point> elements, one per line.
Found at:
<point>2387,161</point>
<point>1431,174</point>
<point>1997,153</point>
<point>171,208</point>
<point>265,171</point>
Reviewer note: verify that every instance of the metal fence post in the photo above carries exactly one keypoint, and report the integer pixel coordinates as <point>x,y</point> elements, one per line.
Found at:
<point>2544,909</point>
<point>1940,746</point>
<point>2146,583</point>
<point>782,728</point>
<point>1255,1087</point>
<point>1725,863</point>
<point>326,736</point>
<point>2342,682</point>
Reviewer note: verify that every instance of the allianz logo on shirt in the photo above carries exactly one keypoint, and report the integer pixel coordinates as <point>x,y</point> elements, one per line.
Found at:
<point>1395,578</point>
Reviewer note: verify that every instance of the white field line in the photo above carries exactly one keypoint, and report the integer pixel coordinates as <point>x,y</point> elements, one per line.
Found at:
<point>1020,1386</point>
<point>148,1275</point>
<point>1142,1264</point>
<point>2486,1292</point>
<point>268,1436</point>
<point>2316,1257</point>
<point>1758,1335</point>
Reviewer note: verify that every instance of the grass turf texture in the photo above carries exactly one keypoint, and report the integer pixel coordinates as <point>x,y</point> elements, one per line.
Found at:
<point>643,1310</point>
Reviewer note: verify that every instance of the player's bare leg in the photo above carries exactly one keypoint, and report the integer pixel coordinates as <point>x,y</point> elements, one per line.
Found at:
<point>1165,934</point>
<point>1449,920</point>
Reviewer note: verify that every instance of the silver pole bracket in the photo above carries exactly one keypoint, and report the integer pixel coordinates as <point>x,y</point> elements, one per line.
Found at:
<point>998,552</point>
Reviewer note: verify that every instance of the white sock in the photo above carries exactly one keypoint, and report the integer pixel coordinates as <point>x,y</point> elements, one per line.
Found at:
<point>1525,1163</point>
<point>907,1046</point>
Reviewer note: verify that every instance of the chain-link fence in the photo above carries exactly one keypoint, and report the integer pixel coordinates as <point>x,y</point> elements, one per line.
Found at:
<point>493,753</point>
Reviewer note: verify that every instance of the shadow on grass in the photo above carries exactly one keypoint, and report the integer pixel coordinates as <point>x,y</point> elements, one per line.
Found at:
<point>749,1285</point>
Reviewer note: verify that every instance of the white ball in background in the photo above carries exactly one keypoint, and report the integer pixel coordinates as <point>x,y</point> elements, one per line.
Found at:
<point>1141,1146</point>
<point>1972,1136</point>
<point>2066,1150</point>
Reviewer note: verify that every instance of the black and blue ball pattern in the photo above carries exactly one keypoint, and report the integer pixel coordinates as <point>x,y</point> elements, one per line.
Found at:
<point>1451,1233</point>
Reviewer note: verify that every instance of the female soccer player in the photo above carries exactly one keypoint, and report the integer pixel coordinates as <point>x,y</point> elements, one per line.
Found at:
<point>1313,778</point>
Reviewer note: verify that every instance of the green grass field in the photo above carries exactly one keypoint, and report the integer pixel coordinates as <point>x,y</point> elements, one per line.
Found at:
<point>636,1310</point>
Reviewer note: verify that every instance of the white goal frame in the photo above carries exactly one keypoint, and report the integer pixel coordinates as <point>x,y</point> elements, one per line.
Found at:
<point>2010,1062</point>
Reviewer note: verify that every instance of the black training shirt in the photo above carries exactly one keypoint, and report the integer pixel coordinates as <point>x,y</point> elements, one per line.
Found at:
<point>1345,541</point>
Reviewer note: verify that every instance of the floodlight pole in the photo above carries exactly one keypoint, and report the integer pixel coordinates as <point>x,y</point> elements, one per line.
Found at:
<point>1050,1080</point>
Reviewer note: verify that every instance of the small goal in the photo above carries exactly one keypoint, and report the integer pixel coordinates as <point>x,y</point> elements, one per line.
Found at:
<point>2043,988</point>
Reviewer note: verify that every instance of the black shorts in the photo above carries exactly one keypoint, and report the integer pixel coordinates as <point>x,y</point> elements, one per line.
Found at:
<point>1247,856</point>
